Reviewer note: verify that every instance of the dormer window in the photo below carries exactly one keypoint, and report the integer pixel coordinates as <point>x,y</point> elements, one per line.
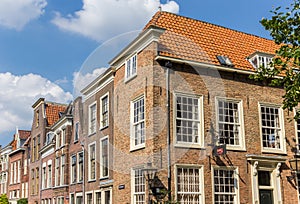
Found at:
<point>130,67</point>
<point>259,59</point>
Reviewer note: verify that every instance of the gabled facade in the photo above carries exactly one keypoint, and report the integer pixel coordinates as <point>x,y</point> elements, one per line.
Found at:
<point>4,168</point>
<point>45,115</point>
<point>184,105</point>
<point>18,167</point>
<point>98,123</point>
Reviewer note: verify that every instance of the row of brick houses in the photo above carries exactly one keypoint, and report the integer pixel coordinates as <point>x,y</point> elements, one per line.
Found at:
<point>176,102</point>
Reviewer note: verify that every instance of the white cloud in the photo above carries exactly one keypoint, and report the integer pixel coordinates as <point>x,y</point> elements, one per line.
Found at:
<point>17,95</point>
<point>17,13</point>
<point>82,78</point>
<point>100,19</point>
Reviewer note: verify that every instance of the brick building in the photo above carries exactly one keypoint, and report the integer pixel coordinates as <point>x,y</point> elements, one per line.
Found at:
<point>185,106</point>
<point>98,139</point>
<point>18,167</point>
<point>4,164</point>
<point>76,152</point>
<point>45,115</point>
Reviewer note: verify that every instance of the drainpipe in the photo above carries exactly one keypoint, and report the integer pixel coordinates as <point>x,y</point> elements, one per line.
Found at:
<point>83,173</point>
<point>168,65</point>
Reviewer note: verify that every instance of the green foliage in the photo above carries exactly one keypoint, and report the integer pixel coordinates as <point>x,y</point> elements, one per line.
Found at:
<point>3,199</point>
<point>22,201</point>
<point>284,27</point>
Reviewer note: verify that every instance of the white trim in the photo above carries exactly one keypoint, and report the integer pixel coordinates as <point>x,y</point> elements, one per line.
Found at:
<point>89,118</point>
<point>282,148</point>
<point>87,94</point>
<point>201,180</point>
<point>102,193</point>
<point>143,40</point>
<point>89,192</point>
<point>242,145</point>
<point>130,59</point>
<point>132,183</point>
<point>201,120</point>
<point>101,113</point>
<point>236,179</point>
<point>101,162</point>
<point>132,134</point>
<point>89,160</point>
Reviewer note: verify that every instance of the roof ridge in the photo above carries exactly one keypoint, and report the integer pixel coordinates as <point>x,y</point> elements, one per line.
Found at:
<point>158,14</point>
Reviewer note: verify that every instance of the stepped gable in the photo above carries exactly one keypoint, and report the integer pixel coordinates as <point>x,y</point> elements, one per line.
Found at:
<point>198,41</point>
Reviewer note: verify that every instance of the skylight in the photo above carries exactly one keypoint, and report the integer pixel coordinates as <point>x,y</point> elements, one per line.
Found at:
<point>224,61</point>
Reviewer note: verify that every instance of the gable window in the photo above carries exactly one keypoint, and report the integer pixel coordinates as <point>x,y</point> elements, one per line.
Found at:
<point>138,123</point>
<point>261,60</point>
<point>189,119</point>
<point>138,186</point>
<point>130,66</point>
<point>104,111</point>
<point>271,127</point>
<point>92,118</point>
<point>225,186</point>
<point>37,115</point>
<point>92,161</point>
<point>230,123</point>
<point>189,185</point>
<point>104,157</point>
<point>76,135</point>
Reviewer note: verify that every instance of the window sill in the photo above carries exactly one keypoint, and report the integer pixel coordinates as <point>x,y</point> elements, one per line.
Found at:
<point>274,151</point>
<point>91,134</point>
<point>102,128</point>
<point>136,148</point>
<point>126,80</point>
<point>104,178</point>
<point>92,180</point>
<point>75,141</point>
<point>191,145</point>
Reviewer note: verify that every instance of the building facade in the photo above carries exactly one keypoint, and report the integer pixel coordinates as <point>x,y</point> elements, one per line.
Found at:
<point>18,167</point>
<point>176,102</point>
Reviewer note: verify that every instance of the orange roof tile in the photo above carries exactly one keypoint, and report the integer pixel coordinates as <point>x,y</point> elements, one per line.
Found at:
<point>24,134</point>
<point>199,41</point>
<point>52,112</point>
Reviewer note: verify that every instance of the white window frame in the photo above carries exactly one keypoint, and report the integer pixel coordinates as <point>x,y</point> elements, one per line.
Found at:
<point>236,182</point>
<point>201,181</point>
<point>129,67</point>
<point>57,171</point>
<point>262,59</point>
<point>101,111</point>
<point>297,132</point>
<point>102,193</point>
<point>200,143</point>
<point>282,148</point>
<point>62,169</point>
<point>73,168</point>
<point>80,194</point>
<point>89,192</point>
<point>49,178</point>
<point>133,124</point>
<point>90,118</point>
<point>133,193</point>
<point>101,160</point>
<point>89,162</point>
<point>74,201</point>
<point>78,169</point>
<point>240,122</point>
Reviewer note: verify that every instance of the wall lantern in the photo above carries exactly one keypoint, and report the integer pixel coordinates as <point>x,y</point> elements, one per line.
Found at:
<point>295,168</point>
<point>154,187</point>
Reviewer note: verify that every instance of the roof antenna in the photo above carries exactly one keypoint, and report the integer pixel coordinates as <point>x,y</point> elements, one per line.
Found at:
<point>159,8</point>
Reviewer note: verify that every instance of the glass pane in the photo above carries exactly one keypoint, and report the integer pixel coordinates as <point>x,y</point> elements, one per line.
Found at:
<point>264,178</point>
<point>265,196</point>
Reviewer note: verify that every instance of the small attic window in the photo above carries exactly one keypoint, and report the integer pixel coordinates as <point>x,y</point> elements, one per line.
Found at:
<point>260,59</point>
<point>224,60</point>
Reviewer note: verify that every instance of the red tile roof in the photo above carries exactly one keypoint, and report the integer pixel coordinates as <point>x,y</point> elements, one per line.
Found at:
<point>24,134</point>
<point>52,112</point>
<point>199,41</point>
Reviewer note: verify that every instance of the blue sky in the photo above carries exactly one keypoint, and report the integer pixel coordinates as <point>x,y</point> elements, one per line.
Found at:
<point>45,45</point>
